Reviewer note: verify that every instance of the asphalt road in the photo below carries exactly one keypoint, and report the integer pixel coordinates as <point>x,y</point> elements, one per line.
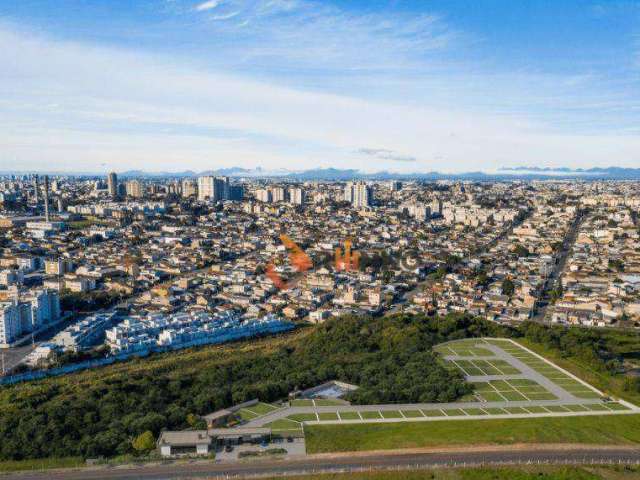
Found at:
<point>328,464</point>
<point>558,268</point>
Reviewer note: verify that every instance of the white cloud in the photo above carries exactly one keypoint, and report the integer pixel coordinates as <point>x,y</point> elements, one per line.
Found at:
<point>209,5</point>
<point>385,154</point>
<point>225,16</point>
<point>318,35</point>
<point>137,110</point>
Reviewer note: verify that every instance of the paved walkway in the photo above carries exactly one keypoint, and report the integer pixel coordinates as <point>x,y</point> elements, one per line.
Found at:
<point>287,411</point>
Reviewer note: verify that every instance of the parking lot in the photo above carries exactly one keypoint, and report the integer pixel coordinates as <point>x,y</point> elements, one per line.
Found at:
<point>276,448</point>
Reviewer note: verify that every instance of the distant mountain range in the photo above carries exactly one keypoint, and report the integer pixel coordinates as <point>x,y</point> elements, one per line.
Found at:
<point>328,174</point>
<point>609,171</point>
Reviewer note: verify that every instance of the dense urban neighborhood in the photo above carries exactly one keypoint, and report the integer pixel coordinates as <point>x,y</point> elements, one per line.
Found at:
<point>132,264</point>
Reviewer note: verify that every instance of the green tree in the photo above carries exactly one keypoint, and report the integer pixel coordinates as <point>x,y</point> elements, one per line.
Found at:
<point>482,279</point>
<point>508,287</point>
<point>145,442</point>
<point>521,251</point>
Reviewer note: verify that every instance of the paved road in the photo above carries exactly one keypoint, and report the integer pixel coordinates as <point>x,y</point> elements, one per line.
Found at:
<point>327,464</point>
<point>558,268</point>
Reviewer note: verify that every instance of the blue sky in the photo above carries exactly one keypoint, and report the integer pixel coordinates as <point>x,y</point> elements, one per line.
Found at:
<point>404,86</point>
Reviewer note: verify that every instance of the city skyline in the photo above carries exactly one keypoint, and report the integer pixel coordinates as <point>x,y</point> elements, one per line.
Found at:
<point>399,86</point>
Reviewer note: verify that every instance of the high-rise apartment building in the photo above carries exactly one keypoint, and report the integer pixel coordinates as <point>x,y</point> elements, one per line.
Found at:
<point>213,189</point>
<point>45,307</point>
<point>272,194</point>
<point>278,194</point>
<point>436,206</point>
<point>236,192</point>
<point>189,188</point>
<point>264,195</point>
<point>296,196</point>
<point>10,327</point>
<point>359,194</point>
<point>395,186</point>
<point>135,189</point>
<point>58,266</point>
<point>112,185</point>
<point>417,210</point>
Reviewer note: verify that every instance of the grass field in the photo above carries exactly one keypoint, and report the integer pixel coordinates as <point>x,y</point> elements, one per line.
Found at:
<point>41,464</point>
<point>558,377</point>
<point>611,429</point>
<point>255,411</point>
<point>510,390</point>
<point>497,473</point>
<point>520,389</point>
<point>612,385</point>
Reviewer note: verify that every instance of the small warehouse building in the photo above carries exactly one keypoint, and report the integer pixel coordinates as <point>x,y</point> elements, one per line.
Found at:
<point>219,418</point>
<point>190,442</point>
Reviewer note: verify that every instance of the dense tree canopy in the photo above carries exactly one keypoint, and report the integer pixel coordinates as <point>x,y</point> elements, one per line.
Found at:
<point>101,412</point>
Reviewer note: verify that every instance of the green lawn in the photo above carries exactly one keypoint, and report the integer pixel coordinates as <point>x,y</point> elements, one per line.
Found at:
<point>610,430</point>
<point>328,416</point>
<point>41,464</point>
<point>349,416</point>
<point>496,411</point>
<point>246,414</point>
<point>391,414</point>
<point>326,402</point>
<point>454,412</point>
<point>603,381</point>
<point>535,409</point>
<point>370,415</point>
<point>284,424</point>
<point>515,410</point>
<point>303,417</point>
<point>434,413</point>
<point>262,408</point>
<point>492,397</point>
<point>412,413</point>
<point>474,411</point>
<point>576,408</point>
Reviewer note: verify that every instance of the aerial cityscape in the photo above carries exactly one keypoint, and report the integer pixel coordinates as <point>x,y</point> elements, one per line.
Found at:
<point>321,240</point>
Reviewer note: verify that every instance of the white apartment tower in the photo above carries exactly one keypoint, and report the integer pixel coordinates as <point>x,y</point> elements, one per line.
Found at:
<point>10,327</point>
<point>278,194</point>
<point>359,194</point>
<point>296,196</point>
<point>213,189</point>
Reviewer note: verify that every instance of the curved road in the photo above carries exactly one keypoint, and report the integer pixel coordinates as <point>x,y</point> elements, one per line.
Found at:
<point>341,463</point>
